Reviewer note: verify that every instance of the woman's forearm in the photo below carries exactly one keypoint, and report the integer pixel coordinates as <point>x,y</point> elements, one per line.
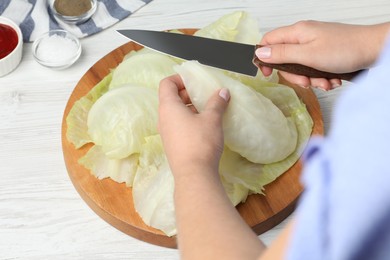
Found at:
<point>373,38</point>
<point>209,227</point>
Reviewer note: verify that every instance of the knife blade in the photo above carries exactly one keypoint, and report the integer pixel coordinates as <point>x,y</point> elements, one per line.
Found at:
<point>232,56</point>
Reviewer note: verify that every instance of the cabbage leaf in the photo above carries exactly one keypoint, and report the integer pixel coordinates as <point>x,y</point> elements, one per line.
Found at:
<point>236,192</point>
<point>290,104</point>
<point>144,68</point>
<point>253,126</point>
<point>119,170</point>
<point>121,119</point>
<point>237,170</point>
<point>76,121</point>
<point>153,187</point>
<point>238,26</point>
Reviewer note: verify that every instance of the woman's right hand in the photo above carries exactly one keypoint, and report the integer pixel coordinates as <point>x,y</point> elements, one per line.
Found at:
<point>332,47</point>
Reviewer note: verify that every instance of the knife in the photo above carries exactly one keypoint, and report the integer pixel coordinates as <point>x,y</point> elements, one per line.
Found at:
<point>226,55</point>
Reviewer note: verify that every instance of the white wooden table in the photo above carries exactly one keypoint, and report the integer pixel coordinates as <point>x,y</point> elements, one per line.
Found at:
<point>41,214</point>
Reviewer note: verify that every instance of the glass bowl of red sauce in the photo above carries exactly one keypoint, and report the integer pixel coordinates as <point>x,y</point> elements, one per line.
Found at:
<point>11,45</point>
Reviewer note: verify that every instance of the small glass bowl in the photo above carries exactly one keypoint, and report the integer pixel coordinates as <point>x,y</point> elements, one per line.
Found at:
<point>56,49</point>
<point>73,19</point>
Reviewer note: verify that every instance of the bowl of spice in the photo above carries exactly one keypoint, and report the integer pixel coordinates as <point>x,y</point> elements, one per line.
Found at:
<point>11,46</point>
<point>57,49</point>
<point>73,11</point>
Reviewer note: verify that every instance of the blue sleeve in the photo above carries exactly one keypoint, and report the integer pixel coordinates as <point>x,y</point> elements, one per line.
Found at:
<point>344,212</point>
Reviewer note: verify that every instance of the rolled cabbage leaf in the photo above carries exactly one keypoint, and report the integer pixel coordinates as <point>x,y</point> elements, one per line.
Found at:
<point>237,170</point>
<point>121,119</point>
<point>253,126</point>
<point>291,106</point>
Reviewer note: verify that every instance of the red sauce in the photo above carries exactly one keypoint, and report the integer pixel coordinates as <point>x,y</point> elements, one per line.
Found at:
<point>8,40</point>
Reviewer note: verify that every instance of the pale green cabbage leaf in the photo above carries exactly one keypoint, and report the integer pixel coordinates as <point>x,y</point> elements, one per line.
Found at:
<point>144,68</point>
<point>121,119</point>
<point>238,26</point>
<point>76,121</point>
<point>253,126</point>
<point>236,192</point>
<point>119,170</point>
<point>237,170</point>
<point>154,186</point>
<point>287,100</point>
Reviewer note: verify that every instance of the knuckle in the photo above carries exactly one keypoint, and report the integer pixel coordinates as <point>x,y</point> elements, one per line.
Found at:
<point>304,25</point>
<point>283,52</point>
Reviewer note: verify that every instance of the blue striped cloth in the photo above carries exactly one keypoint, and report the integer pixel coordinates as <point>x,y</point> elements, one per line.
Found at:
<point>35,18</point>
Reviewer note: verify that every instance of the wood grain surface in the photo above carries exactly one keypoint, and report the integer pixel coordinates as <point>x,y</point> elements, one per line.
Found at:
<point>113,201</point>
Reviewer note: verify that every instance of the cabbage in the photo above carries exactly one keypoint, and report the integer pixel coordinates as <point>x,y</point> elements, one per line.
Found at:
<point>238,27</point>
<point>77,132</point>
<point>257,81</point>
<point>119,170</point>
<point>137,68</point>
<point>235,27</point>
<point>253,126</point>
<point>119,115</point>
<point>236,192</point>
<point>153,187</point>
<point>236,169</point>
<point>121,118</point>
<point>134,53</point>
<point>289,103</point>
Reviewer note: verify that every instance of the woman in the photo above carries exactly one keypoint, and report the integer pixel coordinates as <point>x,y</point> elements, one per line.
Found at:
<point>344,212</point>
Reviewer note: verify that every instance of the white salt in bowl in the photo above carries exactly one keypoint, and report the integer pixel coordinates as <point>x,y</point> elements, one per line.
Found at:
<point>56,49</point>
<point>12,60</point>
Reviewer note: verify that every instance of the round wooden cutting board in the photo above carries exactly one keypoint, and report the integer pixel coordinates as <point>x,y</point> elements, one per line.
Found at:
<point>114,203</point>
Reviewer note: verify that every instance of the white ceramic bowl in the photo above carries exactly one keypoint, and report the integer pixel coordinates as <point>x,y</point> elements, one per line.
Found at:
<point>12,60</point>
<point>56,49</point>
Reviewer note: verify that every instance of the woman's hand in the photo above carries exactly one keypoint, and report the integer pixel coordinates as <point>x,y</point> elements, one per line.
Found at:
<point>332,47</point>
<point>190,139</point>
<point>193,143</point>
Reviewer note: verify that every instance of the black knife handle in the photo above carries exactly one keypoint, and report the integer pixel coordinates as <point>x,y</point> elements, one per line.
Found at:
<point>303,70</point>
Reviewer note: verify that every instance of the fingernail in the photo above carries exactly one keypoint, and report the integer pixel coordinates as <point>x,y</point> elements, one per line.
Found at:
<point>225,94</point>
<point>263,52</point>
<point>335,85</point>
<point>322,89</point>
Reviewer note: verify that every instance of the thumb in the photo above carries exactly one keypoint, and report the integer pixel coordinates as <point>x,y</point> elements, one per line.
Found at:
<point>218,102</point>
<point>283,53</point>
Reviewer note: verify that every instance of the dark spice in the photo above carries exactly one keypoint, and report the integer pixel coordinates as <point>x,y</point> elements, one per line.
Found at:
<point>72,7</point>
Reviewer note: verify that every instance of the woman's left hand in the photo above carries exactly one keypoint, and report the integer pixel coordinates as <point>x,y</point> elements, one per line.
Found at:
<point>189,137</point>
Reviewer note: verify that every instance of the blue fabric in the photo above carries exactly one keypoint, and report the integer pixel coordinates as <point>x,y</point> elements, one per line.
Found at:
<point>344,212</point>
<point>34,17</point>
